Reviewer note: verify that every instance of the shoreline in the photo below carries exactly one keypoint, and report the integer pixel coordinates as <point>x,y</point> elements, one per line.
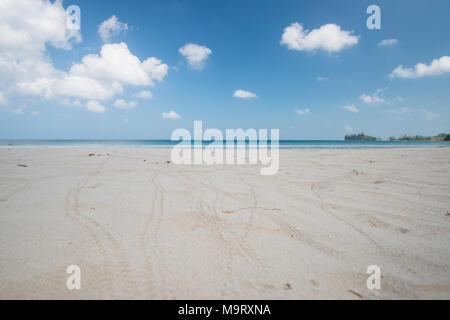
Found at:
<point>293,148</point>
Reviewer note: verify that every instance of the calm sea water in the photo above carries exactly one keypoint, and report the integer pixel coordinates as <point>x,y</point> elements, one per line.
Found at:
<point>283,144</point>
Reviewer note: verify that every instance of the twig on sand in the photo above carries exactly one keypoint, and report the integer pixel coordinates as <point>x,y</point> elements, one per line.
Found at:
<point>355,293</point>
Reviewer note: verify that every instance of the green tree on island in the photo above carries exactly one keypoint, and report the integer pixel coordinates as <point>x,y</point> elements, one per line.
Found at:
<point>359,137</point>
<point>363,137</point>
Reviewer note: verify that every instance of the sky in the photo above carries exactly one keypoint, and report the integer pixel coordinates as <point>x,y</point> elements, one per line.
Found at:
<point>141,69</point>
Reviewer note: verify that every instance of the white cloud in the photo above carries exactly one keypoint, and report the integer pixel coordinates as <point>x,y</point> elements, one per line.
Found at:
<point>348,128</point>
<point>374,98</point>
<point>3,100</point>
<point>98,77</point>
<point>171,115</point>
<point>242,94</point>
<point>94,106</point>
<point>388,42</point>
<point>144,94</point>
<point>71,103</point>
<point>329,37</point>
<point>322,79</point>
<point>125,120</point>
<point>110,28</point>
<point>83,87</point>
<point>28,28</point>
<point>350,108</point>
<point>435,68</point>
<point>117,63</point>
<point>302,112</point>
<point>122,104</point>
<point>195,55</point>
<point>34,113</point>
<point>399,111</point>
<point>429,115</point>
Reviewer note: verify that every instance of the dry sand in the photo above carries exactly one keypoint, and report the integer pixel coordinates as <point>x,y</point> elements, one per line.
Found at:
<point>139,227</point>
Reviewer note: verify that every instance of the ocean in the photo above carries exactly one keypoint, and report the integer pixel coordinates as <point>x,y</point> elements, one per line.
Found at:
<point>283,144</point>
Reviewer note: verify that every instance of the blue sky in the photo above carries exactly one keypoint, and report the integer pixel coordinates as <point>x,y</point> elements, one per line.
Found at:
<point>309,93</point>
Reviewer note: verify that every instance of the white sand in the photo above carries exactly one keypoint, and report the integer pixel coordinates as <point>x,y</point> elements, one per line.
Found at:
<point>148,229</point>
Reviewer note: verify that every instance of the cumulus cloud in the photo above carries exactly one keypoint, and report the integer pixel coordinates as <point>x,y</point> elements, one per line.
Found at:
<point>388,42</point>
<point>171,115</point>
<point>144,94</point>
<point>350,108</point>
<point>242,94</point>
<point>95,106</point>
<point>302,112</point>
<point>195,55</point>
<point>329,37</point>
<point>98,77</point>
<point>69,85</point>
<point>34,113</point>
<point>122,104</point>
<point>111,28</point>
<point>117,63</point>
<point>348,128</point>
<point>374,98</point>
<point>435,68</point>
<point>28,28</point>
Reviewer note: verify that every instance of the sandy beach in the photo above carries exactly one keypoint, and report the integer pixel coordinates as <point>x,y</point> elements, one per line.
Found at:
<point>142,228</point>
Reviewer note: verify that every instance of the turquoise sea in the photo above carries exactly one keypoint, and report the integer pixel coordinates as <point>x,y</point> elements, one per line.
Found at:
<point>283,144</point>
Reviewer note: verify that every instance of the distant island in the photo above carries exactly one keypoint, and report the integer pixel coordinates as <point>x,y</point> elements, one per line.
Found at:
<point>364,137</point>
<point>360,137</point>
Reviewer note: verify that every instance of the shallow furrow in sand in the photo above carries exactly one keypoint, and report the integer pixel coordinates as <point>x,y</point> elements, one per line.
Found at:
<point>352,226</point>
<point>149,278</point>
<point>367,202</point>
<point>104,283</point>
<point>117,260</point>
<point>209,218</point>
<point>239,240</point>
<point>235,243</point>
<point>158,217</point>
